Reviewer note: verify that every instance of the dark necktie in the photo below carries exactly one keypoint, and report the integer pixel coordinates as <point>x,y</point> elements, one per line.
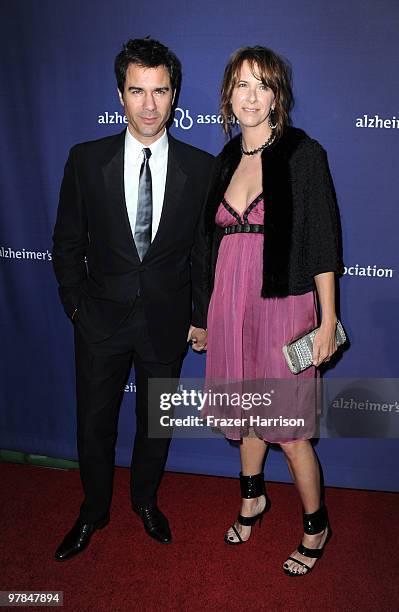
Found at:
<point>143,228</point>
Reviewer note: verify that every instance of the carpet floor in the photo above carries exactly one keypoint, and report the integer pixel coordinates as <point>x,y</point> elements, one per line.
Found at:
<point>123,569</point>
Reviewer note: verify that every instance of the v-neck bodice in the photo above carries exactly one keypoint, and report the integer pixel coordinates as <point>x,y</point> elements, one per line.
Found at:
<point>227,215</point>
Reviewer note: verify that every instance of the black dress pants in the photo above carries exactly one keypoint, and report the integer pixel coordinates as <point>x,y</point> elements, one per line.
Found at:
<point>102,371</point>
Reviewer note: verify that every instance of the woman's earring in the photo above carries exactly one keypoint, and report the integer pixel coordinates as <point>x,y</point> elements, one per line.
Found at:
<point>232,117</point>
<point>272,119</point>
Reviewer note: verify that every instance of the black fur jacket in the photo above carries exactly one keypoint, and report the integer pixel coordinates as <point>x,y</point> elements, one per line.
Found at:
<point>301,223</point>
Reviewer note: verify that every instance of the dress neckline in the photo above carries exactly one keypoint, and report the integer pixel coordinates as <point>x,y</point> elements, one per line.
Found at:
<point>243,217</point>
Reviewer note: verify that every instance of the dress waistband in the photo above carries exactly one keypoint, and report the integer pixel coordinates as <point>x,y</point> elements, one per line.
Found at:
<point>244,228</point>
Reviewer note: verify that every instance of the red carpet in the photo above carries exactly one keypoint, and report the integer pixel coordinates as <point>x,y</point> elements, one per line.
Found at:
<point>123,569</point>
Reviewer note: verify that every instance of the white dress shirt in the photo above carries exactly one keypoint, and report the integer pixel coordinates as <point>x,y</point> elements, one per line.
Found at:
<point>158,165</point>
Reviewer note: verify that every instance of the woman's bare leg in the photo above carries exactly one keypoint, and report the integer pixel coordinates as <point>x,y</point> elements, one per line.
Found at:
<point>252,452</point>
<point>305,471</point>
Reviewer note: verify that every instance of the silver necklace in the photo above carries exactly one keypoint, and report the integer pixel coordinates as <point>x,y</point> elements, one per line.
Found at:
<point>268,142</point>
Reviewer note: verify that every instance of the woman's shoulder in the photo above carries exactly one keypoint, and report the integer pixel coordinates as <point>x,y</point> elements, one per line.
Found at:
<point>303,153</point>
<point>228,157</point>
<point>231,148</point>
<point>306,146</point>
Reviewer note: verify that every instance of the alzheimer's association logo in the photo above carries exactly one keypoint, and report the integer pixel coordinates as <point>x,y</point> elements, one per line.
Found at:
<point>183,119</point>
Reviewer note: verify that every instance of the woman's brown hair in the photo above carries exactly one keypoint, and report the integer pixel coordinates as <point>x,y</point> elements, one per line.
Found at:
<point>272,70</point>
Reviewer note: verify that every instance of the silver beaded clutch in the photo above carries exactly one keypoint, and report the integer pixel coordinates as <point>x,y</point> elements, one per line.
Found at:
<point>298,353</point>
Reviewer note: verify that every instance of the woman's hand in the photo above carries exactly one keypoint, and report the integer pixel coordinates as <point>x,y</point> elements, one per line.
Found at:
<point>324,343</point>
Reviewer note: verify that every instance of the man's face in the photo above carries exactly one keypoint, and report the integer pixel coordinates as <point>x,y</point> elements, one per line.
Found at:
<point>147,99</point>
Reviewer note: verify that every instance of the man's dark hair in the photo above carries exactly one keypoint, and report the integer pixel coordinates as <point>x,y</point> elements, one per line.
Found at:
<point>148,53</point>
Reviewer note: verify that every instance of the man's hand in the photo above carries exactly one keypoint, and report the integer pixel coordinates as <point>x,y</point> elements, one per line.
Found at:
<point>198,338</point>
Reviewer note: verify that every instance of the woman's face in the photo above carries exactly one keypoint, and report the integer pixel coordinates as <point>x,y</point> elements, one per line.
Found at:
<point>251,100</point>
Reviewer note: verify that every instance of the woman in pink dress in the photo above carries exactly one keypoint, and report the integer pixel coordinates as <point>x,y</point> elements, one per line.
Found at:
<point>275,239</point>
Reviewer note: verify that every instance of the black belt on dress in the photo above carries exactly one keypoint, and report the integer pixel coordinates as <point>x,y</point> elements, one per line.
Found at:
<point>244,228</point>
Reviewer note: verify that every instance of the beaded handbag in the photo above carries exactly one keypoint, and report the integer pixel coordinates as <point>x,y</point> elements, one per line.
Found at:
<point>298,353</point>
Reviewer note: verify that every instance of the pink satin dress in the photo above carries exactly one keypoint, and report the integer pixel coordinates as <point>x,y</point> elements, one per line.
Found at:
<point>246,332</point>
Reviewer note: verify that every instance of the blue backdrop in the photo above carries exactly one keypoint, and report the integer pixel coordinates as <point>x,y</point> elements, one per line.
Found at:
<point>59,89</point>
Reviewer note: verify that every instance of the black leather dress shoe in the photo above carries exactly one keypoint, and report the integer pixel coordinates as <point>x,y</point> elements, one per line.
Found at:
<point>155,523</point>
<point>78,539</point>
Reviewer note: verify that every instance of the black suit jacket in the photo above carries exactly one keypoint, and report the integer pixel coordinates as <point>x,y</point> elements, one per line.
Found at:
<point>95,258</point>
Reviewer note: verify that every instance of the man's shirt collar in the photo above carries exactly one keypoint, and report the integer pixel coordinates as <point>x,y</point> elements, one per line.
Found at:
<point>135,147</point>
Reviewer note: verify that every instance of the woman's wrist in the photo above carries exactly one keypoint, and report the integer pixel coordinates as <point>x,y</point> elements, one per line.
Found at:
<point>329,320</point>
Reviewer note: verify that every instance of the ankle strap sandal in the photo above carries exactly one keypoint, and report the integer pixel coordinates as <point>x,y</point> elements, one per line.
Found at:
<point>251,487</point>
<point>313,523</point>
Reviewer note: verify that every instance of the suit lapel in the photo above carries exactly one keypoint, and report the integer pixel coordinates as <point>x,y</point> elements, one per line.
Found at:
<point>113,173</point>
<point>175,183</point>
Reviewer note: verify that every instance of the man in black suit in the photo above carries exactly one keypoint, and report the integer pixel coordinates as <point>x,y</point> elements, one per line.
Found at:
<point>128,249</point>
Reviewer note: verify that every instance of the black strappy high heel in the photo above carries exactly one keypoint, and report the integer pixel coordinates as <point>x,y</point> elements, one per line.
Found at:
<point>251,487</point>
<point>312,524</point>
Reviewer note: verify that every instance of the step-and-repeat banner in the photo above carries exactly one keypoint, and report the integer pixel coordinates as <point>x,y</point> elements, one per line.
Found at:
<point>58,88</point>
